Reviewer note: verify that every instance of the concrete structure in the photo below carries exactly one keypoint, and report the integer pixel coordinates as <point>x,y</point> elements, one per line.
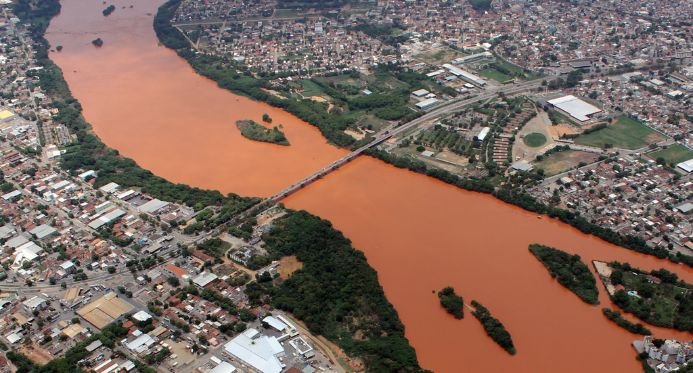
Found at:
<point>109,188</point>
<point>43,231</point>
<point>575,107</point>
<point>427,103</point>
<point>482,134</point>
<point>223,367</point>
<point>106,218</point>
<point>104,310</point>
<point>259,352</point>
<point>152,206</point>
<point>141,343</point>
<point>34,303</point>
<point>204,279</point>
<point>465,75</point>
<point>12,195</point>
<point>687,166</point>
<point>141,316</point>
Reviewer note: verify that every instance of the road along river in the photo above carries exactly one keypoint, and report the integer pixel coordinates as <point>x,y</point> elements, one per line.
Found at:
<point>418,233</point>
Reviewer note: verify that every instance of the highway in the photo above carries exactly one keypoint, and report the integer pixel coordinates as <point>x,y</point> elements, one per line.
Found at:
<point>393,131</point>
<point>380,137</point>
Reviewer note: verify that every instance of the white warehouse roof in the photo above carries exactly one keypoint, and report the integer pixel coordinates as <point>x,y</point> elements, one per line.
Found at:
<point>259,351</point>
<point>575,107</point>
<point>686,166</point>
<point>152,206</point>
<point>106,218</point>
<point>223,367</point>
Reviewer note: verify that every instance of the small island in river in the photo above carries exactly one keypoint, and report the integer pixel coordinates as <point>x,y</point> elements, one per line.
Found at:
<point>493,327</point>
<point>452,302</point>
<point>569,270</point>
<point>255,131</point>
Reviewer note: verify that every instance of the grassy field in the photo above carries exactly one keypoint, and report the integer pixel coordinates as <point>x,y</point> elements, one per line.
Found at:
<point>626,133</point>
<point>280,13</point>
<point>676,153</point>
<point>494,74</point>
<point>438,56</point>
<point>310,88</point>
<point>514,69</point>
<point>563,161</point>
<point>535,139</point>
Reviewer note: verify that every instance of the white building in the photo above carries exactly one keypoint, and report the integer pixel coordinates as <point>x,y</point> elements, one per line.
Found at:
<point>427,103</point>
<point>575,107</point>
<point>257,351</point>
<point>465,75</point>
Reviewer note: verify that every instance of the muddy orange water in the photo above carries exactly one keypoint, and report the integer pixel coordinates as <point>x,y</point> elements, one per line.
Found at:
<point>418,233</point>
<point>147,103</point>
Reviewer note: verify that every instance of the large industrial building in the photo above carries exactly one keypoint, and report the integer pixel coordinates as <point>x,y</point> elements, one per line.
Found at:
<point>575,107</point>
<point>259,352</point>
<point>465,75</point>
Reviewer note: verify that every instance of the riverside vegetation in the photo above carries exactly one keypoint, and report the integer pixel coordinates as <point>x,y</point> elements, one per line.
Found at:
<point>493,327</point>
<point>632,327</point>
<point>336,293</point>
<point>257,132</point>
<point>88,152</point>
<point>656,297</point>
<point>569,270</point>
<point>336,290</point>
<point>452,302</point>
<point>386,105</point>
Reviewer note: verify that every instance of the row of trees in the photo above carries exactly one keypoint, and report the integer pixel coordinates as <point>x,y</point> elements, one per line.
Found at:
<point>493,327</point>
<point>88,152</point>
<point>632,327</point>
<point>569,270</point>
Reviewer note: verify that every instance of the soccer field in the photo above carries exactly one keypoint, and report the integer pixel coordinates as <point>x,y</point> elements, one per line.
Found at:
<point>626,133</point>
<point>676,153</point>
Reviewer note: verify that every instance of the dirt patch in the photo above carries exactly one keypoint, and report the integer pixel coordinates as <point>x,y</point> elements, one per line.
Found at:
<point>36,354</point>
<point>557,131</point>
<point>288,265</point>
<point>449,156</point>
<point>353,363</point>
<point>318,99</point>
<point>358,135</point>
<point>559,162</point>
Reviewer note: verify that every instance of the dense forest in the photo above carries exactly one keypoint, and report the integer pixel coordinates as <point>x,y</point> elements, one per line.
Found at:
<point>632,327</point>
<point>452,302</point>
<point>569,270</point>
<point>493,327</point>
<point>337,294</point>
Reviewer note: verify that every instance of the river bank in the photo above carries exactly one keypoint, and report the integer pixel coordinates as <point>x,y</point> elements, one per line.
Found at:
<point>205,65</point>
<point>419,233</point>
<point>110,166</point>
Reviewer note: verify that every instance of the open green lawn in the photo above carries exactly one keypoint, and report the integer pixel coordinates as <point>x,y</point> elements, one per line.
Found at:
<point>676,153</point>
<point>626,133</point>
<point>494,74</point>
<point>280,13</point>
<point>310,88</point>
<point>439,56</point>
<point>534,139</point>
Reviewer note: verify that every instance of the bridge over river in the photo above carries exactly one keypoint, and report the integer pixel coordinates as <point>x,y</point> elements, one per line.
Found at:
<point>384,135</point>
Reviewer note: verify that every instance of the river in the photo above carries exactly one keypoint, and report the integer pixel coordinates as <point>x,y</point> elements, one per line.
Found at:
<point>418,233</point>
